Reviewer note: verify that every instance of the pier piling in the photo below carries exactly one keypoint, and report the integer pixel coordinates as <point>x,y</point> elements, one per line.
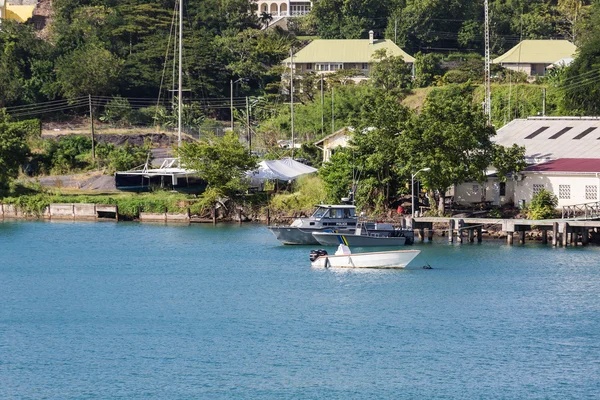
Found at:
<point>450,231</point>
<point>544,236</point>
<point>565,231</point>
<point>554,234</point>
<point>509,238</point>
<point>522,237</point>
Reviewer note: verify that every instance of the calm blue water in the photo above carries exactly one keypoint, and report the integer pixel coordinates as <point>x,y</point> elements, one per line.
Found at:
<point>105,310</point>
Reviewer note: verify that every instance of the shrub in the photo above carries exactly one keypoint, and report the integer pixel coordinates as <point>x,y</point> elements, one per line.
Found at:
<point>542,206</point>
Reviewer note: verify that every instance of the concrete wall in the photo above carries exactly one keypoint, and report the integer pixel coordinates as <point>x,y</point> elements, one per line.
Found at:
<point>78,211</point>
<point>164,217</point>
<point>552,182</point>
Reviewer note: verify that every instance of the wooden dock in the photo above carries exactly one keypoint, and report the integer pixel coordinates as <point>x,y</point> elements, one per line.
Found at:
<point>563,232</point>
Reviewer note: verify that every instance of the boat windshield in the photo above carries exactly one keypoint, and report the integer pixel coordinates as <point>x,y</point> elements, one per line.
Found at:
<point>321,212</point>
<point>338,213</point>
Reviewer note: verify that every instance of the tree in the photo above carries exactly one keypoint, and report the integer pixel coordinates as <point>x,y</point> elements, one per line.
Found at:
<point>265,18</point>
<point>580,85</point>
<point>508,160</point>
<point>376,139</point>
<point>221,162</point>
<point>450,136</point>
<point>427,69</point>
<point>390,72</point>
<point>88,70</point>
<point>13,149</point>
<point>543,205</point>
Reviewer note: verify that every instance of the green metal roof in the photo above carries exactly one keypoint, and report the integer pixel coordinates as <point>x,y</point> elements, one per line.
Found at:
<point>538,52</point>
<point>346,51</point>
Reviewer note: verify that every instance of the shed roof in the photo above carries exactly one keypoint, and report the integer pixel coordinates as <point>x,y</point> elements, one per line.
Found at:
<point>341,132</point>
<point>551,138</point>
<point>591,165</point>
<point>346,51</point>
<point>538,52</point>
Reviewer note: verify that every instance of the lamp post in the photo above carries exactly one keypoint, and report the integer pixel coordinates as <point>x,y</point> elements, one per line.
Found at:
<point>412,189</point>
<point>232,82</point>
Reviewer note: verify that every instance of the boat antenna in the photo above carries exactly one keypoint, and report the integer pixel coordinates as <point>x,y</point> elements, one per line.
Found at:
<point>487,108</point>
<point>292,97</point>
<point>179,91</point>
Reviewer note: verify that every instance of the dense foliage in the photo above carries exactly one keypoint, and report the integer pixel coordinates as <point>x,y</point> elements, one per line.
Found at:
<point>13,149</point>
<point>221,162</point>
<point>542,206</point>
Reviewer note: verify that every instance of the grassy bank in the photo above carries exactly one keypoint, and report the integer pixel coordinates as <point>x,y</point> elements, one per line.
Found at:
<point>129,203</point>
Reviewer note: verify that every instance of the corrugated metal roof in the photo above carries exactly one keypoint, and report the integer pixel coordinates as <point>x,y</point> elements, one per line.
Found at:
<point>591,165</point>
<point>538,52</point>
<point>346,51</point>
<point>580,141</point>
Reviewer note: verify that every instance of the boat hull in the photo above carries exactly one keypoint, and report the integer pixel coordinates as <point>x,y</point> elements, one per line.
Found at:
<point>384,259</point>
<point>293,235</point>
<point>334,239</point>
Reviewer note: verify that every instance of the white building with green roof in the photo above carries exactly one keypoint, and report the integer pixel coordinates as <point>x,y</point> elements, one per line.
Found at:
<point>330,55</point>
<point>534,56</point>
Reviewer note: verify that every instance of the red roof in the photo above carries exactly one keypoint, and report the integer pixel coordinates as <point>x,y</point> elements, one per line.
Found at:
<point>567,165</point>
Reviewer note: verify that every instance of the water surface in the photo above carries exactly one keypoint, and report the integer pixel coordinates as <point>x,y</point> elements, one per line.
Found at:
<point>106,310</point>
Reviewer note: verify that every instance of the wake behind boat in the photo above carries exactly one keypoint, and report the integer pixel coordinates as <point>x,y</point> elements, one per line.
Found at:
<point>344,258</point>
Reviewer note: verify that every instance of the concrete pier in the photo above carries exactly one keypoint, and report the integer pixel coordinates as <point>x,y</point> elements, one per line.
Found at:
<point>564,232</point>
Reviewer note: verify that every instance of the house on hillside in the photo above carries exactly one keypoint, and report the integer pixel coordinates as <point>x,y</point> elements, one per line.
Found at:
<point>563,154</point>
<point>283,8</point>
<point>535,56</point>
<point>324,56</point>
<point>17,10</point>
<point>330,143</point>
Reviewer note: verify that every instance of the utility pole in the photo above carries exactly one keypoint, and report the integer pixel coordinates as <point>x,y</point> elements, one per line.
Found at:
<point>396,30</point>
<point>180,93</point>
<point>92,128</point>
<point>292,97</point>
<point>322,108</point>
<point>248,137</point>
<point>487,82</point>
<point>231,101</point>
<point>332,112</point>
<point>543,102</point>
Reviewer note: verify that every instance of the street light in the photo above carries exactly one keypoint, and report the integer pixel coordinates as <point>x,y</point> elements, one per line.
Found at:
<point>412,190</point>
<point>232,82</point>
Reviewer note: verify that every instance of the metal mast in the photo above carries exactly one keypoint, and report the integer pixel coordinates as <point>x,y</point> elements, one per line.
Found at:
<point>487,106</point>
<point>179,90</point>
<point>292,98</point>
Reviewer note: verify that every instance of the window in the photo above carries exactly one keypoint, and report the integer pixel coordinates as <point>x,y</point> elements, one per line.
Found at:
<point>365,66</point>
<point>309,67</point>
<point>322,67</point>
<point>564,191</point>
<point>582,134</point>
<point>591,192</point>
<point>502,188</point>
<point>534,134</point>
<point>561,132</point>
<point>475,189</point>
<point>537,187</point>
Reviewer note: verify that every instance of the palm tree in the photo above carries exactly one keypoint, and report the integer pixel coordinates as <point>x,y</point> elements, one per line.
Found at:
<point>265,18</point>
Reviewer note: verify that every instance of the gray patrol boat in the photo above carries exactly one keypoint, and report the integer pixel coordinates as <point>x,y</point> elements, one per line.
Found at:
<point>367,233</point>
<point>341,218</point>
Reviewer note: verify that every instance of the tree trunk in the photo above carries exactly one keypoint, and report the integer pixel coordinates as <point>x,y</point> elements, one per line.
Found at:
<point>442,204</point>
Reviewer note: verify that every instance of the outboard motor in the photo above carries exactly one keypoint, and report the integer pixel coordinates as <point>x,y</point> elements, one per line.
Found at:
<point>314,254</point>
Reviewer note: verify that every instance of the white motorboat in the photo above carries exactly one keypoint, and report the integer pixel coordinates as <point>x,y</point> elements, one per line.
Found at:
<point>343,258</point>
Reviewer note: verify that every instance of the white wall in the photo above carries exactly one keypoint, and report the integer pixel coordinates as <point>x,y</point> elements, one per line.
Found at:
<point>333,143</point>
<point>575,183</point>
<point>471,192</point>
